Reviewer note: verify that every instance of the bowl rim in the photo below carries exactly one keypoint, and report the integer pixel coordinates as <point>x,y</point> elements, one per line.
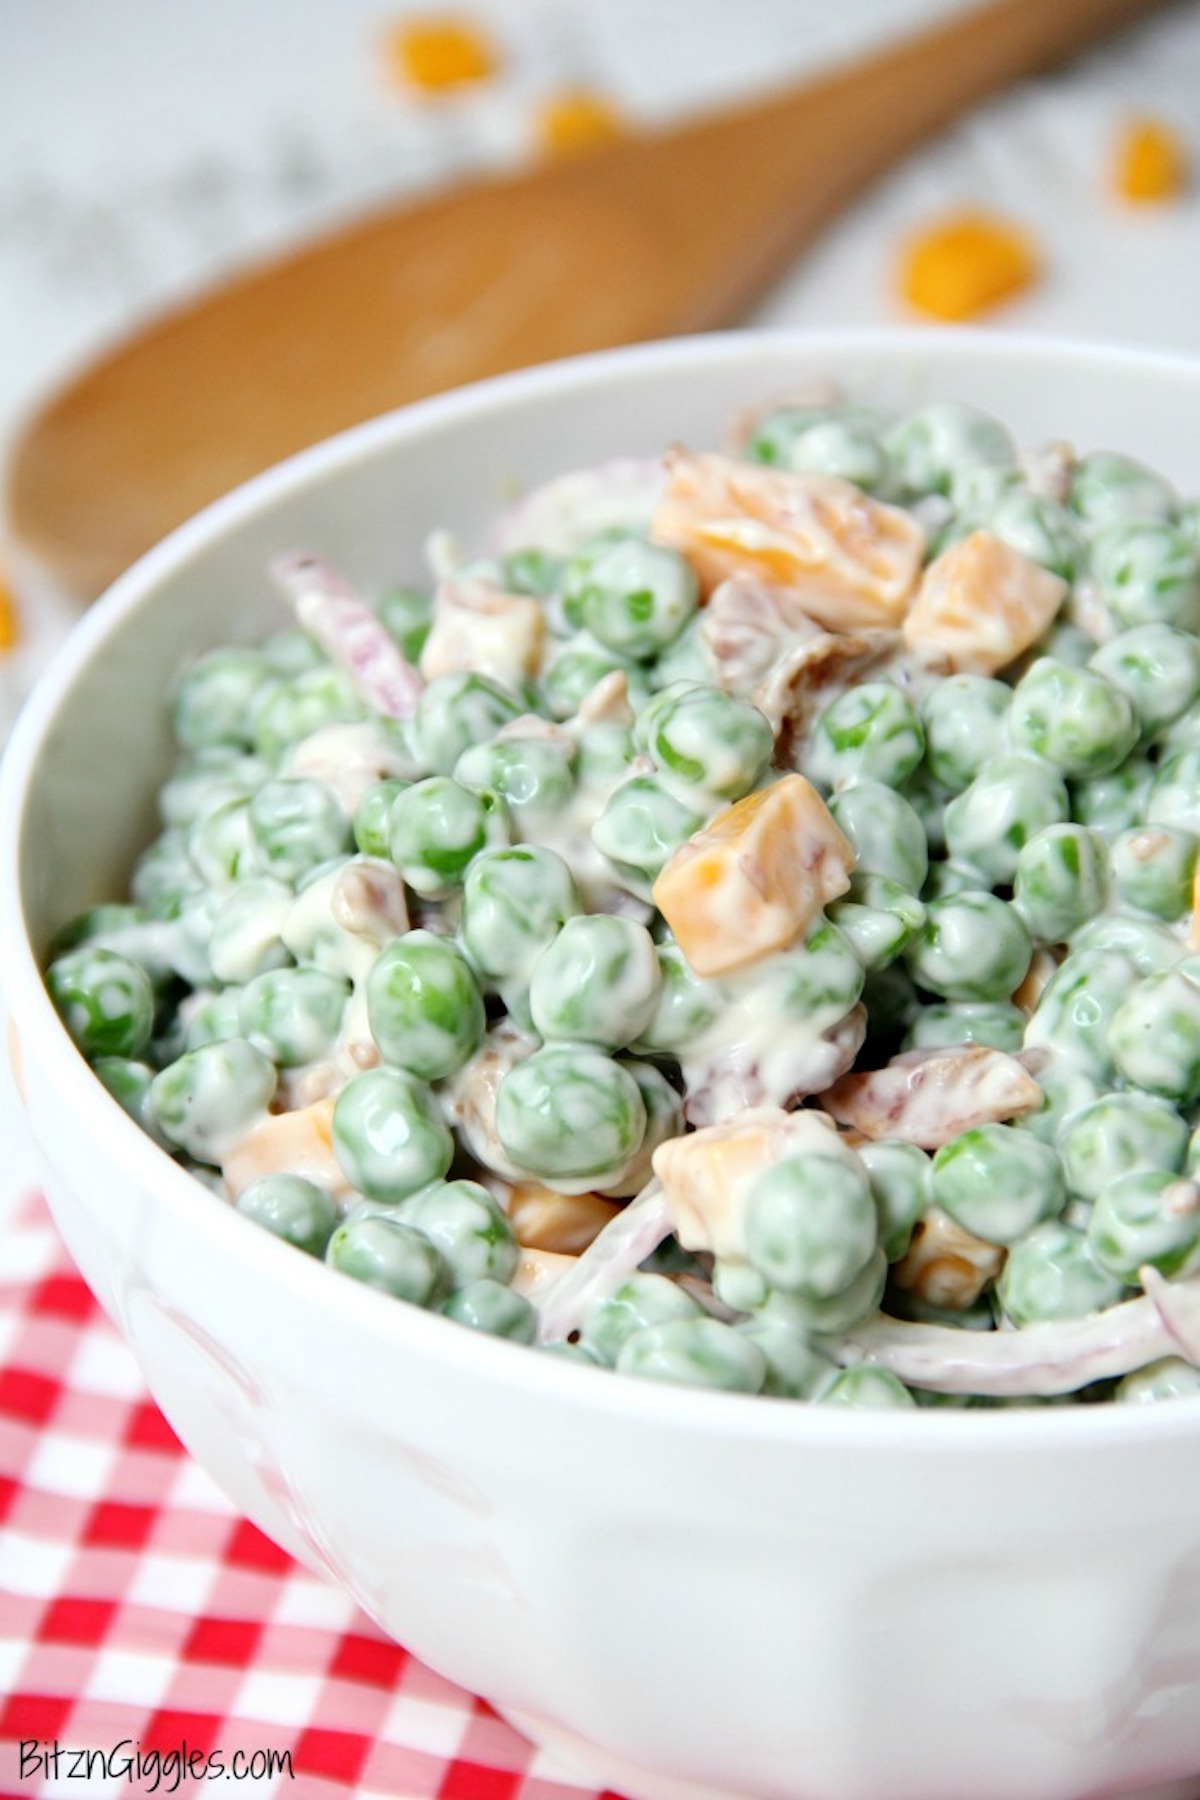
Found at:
<point>668,1408</point>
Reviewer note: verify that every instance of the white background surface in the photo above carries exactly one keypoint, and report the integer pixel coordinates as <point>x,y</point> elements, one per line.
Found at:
<point>147,147</point>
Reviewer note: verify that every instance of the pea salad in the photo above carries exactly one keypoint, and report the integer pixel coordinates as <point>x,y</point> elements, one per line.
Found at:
<point>738,926</point>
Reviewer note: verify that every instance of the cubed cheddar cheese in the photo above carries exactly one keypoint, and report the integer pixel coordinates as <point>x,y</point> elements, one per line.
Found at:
<point>980,604</point>
<point>297,1143</point>
<point>963,265</point>
<point>564,1223</point>
<point>483,629</point>
<point>754,879</point>
<point>1151,162</point>
<point>849,560</point>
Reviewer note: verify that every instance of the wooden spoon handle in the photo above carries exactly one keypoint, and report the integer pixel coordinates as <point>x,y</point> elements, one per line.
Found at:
<point>663,232</point>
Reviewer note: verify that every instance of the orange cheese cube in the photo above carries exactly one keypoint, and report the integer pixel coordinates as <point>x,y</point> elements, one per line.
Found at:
<point>299,1143</point>
<point>564,1223</point>
<point>1150,162</point>
<point>577,120</point>
<point>981,603</point>
<point>10,631</point>
<point>754,879</point>
<point>848,560</point>
<point>966,264</point>
<point>439,51</point>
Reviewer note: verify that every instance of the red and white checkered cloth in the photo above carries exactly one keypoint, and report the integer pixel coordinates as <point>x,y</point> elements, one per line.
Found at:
<point>140,1616</point>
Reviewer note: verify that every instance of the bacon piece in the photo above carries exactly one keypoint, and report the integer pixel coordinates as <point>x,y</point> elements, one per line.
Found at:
<point>928,1097</point>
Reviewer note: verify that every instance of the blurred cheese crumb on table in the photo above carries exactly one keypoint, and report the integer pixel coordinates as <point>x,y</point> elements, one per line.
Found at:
<point>966,263</point>
<point>10,630</point>
<point>576,119</point>
<point>1151,162</point>
<point>438,52</point>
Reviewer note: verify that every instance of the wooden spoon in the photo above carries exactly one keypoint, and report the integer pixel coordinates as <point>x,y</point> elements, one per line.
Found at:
<point>664,232</point>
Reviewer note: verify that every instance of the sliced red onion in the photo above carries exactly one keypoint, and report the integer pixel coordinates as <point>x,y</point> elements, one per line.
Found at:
<point>345,627</point>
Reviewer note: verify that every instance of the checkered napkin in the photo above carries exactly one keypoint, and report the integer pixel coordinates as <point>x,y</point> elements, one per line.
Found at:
<point>142,1622</point>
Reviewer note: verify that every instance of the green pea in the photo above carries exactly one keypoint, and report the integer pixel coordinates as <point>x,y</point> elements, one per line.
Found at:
<point>708,742</point>
<point>219,772</point>
<point>596,983</point>
<point>635,596</point>
<point>389,1136</point>
<point>291,651</point>
<point>210,1097</point>
<point>869,733</point>
<point>1154,1038</point>
<point>998,1182</point>
<point>491,1307</point>
<point>817,981</point>
<point>694,1353</point>
<point>372,817</point>
<point>1076,1005</point>
<point>222,846</point>
<point>1149,945</point>
<point>899,1177</point>
<point>1041,529</point>
<point>844,442</point>
<point>811,1225</point>
<point>514,904</point>
<point>105,1001</point>
<point>1108,488</point>
<point>1151,1218</point>
<point>1074,718</point>
<point>1158,667</point>
<point>685,1008</point>
<point>292,1208</point>
<point>423,1006</point>
<point>796,1369</point>
<point>1061,881</point>
<point>385,1253</point>
<point>947,878</point>
<point>1117,1135</point>
<point>164,875</point>
<point>215,1017</point>
<point>1174,796</point>
<point>866,1386</point>
<point>293,1015</point>
<point>406,614</point>
<point>532,775</point>
<point>642,822</point>
<point>836,1312</point>
<point>456,711</point>
<point>246,937</point>
<point>931,445</point>
<point>571,1115</point>
<point>638,1302</point>
<point>466,1224</point>
<point>877,918</point>
<point>884,831</point>
<point>212,699</point>
<point>289,709</point>
<point>1053,1273</point>
<point>573,670</point>
<point>966,727</point>
<point>436,827</point>
<point>1148,572</point>
<point>1066,1088</point>
<point>972,946</point>
<point>128,1081</point>
<point>1170,1378</point>
<point>297,824</point>
<point>996,1023</point>
<point>534,571</point>
<point>1154,869</point>
<point>1010,801</point>
<point>605,754</point>
<point>1113,802</point>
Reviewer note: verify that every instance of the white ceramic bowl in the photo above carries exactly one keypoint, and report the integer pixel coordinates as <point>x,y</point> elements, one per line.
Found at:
<point>693,1595</point>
